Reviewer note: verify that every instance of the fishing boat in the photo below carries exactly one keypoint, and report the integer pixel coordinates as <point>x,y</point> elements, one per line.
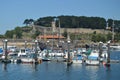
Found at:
<point>93,58</point>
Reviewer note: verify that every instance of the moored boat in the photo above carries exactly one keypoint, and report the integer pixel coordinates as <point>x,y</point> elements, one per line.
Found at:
<point>115,47</point>
<point>77,59</point>
<point>1,51</point>
<point>30,58</point>
<point>93,58</point>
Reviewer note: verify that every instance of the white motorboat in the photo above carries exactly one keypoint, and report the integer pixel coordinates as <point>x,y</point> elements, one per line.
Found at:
<point>93,58</point>
<point>115,47</point>
<point>29,58</point>
<point>48,55</point>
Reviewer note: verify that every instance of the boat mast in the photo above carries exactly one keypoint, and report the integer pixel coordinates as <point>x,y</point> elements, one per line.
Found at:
<point>59,33</point>
<point>53,32</point>
<point>113,31</point>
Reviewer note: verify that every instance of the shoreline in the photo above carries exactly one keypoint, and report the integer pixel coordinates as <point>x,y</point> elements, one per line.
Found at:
<point>18,44</point>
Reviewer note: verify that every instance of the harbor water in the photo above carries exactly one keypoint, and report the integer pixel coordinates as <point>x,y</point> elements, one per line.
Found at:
<point>60,71</point>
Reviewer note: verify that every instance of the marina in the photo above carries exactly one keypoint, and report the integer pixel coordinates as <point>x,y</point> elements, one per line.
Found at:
<point>84,63</point>
<point>59,40</point>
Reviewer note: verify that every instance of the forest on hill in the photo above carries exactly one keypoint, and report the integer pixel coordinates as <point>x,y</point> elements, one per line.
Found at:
<point>78,22</point>
<point>74,22</point>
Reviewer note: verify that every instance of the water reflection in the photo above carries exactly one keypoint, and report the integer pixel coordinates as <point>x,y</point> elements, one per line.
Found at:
<point>34,66</point>
<point>47,65</point>
<point>4,66</point>
<point>108,68</point>
<point>92,68</point>
<point>76,66</point>
<point>108,73</point>
<point>92,72</point>
<point>68,68</point>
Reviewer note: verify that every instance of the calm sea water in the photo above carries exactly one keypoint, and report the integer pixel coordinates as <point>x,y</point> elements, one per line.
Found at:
<point>60,71</point>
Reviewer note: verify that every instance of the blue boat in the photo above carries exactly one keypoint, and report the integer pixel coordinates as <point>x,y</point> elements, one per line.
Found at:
<point>77,59</point>
<point>1,51</point>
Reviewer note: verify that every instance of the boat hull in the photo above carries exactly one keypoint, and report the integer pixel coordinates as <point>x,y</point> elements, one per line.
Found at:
<point>15,60</point>
<point>46,59</point>
<point>92,62</point>
<point>77,61</point>
<point>27,60</point>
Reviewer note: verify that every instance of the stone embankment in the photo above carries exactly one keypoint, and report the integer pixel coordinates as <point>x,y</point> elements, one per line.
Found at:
<point>17,43</point>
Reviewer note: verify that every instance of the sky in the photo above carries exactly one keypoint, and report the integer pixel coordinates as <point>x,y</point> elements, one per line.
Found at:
<point>14,12</point>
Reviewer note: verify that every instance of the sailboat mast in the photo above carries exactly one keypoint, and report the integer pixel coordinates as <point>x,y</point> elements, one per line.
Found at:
<point>59,33</point>
<point>113,31</point>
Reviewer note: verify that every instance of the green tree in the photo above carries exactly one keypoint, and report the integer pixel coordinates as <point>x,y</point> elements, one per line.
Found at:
<point>109,36</point>
<point>110,22</point>
<point>65,33</point>
<point>93,38</point>
<point>27,22</point>
<point>117,37</point>
<point>2,36</point>
<point>37,33</point>
<point>9,34</point>
<point>45,21</point>
<point>100,37</point>
<point>18,32</point>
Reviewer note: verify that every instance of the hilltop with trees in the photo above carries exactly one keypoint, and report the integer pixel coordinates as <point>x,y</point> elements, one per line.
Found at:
<point>65,22</point>
<point>78,22</point>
